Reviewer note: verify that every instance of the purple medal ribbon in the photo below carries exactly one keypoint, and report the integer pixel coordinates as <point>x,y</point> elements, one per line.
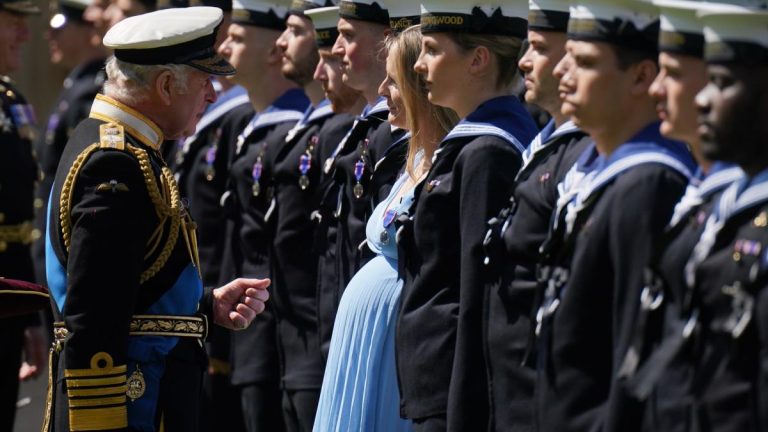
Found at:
<point>305,162</point>
<point>256,173</point>
<point>389,217</point>
<point>359,167</point>
<point>210,156</point>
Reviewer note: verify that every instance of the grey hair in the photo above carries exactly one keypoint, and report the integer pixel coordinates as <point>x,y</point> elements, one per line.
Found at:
<point>130,82</point>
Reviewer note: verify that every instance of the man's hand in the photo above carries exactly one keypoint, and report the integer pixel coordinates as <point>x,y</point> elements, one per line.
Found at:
<point>34,353</point>
<point>237,303</point>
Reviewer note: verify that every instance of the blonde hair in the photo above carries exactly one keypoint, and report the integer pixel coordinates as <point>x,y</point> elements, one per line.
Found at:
<point>506,49</point>
<point>131,83</point>
<point>406,47</point>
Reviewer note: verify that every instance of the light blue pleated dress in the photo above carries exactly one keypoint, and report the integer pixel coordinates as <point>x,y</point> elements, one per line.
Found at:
<point>360,390</point>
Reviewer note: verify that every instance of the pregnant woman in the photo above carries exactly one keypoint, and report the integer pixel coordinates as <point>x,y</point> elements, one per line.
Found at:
<point>360,390</point>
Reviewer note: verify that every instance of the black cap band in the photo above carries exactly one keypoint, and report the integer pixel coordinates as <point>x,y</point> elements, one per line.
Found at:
<point>326,37</point>
<point>398,24</point>
<point>71,13</point>
<point>478,22</point>
<point>685,43</point>
<point>619,32</point>
<point>729,52</point>
<point>268,20</point>
<point>364,12</point>
<point>548,20</point>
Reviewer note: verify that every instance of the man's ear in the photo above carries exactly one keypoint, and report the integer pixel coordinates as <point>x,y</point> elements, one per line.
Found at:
<point>643,75</point>
<point>164,86</point>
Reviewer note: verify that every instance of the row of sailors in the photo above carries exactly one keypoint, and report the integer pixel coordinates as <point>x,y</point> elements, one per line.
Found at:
<point>589,214</point>
<point>582,288</point>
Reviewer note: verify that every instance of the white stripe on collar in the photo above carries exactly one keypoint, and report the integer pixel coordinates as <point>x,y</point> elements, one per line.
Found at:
<point>538,145</point>
<point>321,112</point>
<point>107,109</point>
<point>477,129</point>
<point>606,176</point>
<point>719,180</point>
<point>270,118</point>
<point>215,114</point>
<point>379,107</point>
<point>696,194</point>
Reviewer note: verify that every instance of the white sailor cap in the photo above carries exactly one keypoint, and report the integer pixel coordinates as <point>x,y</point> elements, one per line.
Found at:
<point>298,7</point>
<point>631,24</point>
<point>735,34</point>
<point>364,10</point>
<point>175,36</point>
<point>261,13</point>
<point>324,20</point>
<point>67,11</point>
<point>403,14</point>
<point>681,30</point>
<point>548,15</point>
<point>507,17</point>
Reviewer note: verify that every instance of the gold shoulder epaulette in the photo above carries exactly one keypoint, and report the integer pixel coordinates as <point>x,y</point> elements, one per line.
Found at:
<point>112,135</point>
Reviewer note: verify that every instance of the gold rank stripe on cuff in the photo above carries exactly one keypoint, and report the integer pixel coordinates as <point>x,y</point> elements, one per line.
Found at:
<point>97,395</point>
<point>97,402</point>
<point>109,110</point>
<point>98,391</point>
<point>101,418</point>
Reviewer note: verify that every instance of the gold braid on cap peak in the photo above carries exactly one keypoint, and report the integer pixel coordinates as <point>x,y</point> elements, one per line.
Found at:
<point>167,205</point>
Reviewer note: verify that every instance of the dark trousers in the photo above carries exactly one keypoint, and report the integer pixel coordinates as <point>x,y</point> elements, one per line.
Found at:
<point>261,407</point>
<point>221,405</point>
<point>299,409</point>
<point>11,338</point>
<point>430,424</point>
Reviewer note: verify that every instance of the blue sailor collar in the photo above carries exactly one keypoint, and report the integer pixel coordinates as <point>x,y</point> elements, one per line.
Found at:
<point>703,186</point>
<point>741,195</point>
<point>503,117</point>
<point>109,110</point>
<point>228,100</point>
<point>647,146</point>
<point>323,109</point>
<point>406,136</point>
<point>290,106</point>
<point>313,113</point>
<point>719,177</point>
<point>379,107</point>
<point>545,138</point>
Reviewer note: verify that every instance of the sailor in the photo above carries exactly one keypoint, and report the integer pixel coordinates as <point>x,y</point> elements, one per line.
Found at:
<point>612,210</point>
<point>362,26</point>
<point>74,45</point>
<point>346,102</point>
<point>514,237</point>
<point>439,339</point>
<point>298,191</point>
<point>121,249</point>
<point>662,315</point>
<point>714,339</point>
<point>18,174</point>
<point>249,200</point>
